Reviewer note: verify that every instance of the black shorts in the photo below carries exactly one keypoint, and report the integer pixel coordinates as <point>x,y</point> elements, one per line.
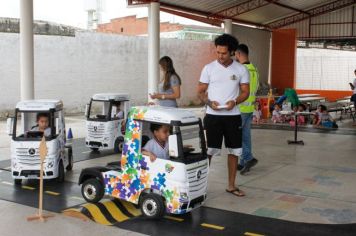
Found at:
<point>227,127</point>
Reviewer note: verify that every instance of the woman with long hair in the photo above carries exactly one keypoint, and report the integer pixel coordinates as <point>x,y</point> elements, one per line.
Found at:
<point>169,85</point>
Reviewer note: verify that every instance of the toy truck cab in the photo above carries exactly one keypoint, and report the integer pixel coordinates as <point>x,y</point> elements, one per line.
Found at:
<point>104,115</point>
<point>176,186</point>
<point>26,137</point>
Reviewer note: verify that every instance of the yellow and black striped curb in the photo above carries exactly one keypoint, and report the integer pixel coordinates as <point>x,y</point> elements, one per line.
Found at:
<point>111,212</point>
<point>107,212</point>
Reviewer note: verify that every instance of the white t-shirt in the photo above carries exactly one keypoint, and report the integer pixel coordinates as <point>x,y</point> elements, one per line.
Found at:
<point>224,84</point>
<point>154,147</point>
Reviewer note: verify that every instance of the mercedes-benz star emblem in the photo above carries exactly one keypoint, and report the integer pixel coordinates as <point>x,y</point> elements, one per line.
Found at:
<point>31,151</point>
<point>199,174</point>
<point>95,128</point>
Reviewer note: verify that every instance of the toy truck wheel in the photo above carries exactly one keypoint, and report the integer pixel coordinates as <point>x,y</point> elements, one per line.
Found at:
<point>94,149</point>
<point>92,190</point>
<point>18,181</point>
<point>70,159</point>
<point>60,178</point>
<point>119,145</point>
<point>152,206</point>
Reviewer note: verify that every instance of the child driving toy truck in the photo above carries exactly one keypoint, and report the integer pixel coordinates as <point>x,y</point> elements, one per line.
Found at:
<point>167,174</point>
<point>34,119</point>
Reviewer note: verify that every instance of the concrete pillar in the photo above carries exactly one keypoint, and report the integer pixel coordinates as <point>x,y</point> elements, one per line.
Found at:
<point>26,50</point>
<point>228,26</point>
<point>153,47</point>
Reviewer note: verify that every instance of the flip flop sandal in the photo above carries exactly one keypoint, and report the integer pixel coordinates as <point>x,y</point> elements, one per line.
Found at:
<point>237,192</point>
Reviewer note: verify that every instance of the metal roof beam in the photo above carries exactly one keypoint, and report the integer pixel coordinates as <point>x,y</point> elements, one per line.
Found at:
<point>241,8</point>
<point>205,20</point>
<point>287,7</point>
<point>202,16</point>
<point>317,11</point>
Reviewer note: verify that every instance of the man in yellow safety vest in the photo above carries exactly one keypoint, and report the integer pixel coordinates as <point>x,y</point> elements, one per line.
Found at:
<point>247,160</point>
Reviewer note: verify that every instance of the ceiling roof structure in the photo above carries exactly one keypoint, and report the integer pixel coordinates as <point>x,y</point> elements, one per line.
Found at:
<point>268,14</point>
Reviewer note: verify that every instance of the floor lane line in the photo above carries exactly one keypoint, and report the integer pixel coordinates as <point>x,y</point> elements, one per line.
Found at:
<point>212,226</point>
<point>252,234</point>
<point>174,218</point>
<point>27,187</point>
<point>52,193</point>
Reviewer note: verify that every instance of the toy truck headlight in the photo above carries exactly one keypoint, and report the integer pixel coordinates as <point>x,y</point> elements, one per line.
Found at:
<point>50,164</point>
<point>184,196</point>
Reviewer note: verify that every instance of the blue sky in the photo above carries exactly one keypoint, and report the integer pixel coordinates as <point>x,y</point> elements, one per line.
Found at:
<point>71,12</point>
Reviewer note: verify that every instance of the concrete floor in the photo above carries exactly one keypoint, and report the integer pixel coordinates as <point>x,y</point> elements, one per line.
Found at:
<point>312,183</point>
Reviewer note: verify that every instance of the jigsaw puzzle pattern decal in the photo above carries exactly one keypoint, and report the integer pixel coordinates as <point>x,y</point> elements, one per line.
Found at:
<point>135,176</point>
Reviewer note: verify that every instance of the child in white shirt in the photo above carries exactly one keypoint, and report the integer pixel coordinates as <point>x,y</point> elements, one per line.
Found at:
<point>157,147</point>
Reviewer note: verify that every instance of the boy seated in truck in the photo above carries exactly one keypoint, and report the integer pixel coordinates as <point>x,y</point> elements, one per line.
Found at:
<point>117,112</point>
<point>157,147</point>
<point>42,124</point>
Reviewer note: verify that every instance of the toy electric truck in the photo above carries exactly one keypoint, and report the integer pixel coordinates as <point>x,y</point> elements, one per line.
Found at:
<point>176,186</point>
<point>105,115</point>
<point>25,159</point>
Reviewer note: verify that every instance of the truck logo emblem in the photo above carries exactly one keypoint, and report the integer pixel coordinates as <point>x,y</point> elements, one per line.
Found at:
<point>31,151</point>
<point>199,174</point>
<point>95,128</point>
<point>169,168</point>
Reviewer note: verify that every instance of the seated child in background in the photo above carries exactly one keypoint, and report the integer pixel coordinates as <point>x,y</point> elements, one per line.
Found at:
<point>300,118</point>
<point>276,114</point>
<point>157,147</point>
<point>325,119</point>
<point>42,124</point>
<point>317,115</point>
<point>257,113</point>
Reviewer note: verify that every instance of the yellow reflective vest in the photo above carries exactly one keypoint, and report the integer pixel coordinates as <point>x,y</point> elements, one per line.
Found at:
<point>248,106</point>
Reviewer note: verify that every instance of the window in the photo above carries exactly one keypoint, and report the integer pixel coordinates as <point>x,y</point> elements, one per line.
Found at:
<point>33,125</point>
<point>191,140</point>
<point>99,110</point>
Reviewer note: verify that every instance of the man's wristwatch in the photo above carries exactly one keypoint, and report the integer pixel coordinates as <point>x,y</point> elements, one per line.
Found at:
<point>208,103</point>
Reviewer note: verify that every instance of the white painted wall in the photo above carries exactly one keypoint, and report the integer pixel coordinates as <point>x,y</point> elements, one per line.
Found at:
<point>74,68</point>
<point>325,69</point>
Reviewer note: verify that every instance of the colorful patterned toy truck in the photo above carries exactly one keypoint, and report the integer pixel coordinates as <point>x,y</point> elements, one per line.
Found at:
<point>176,186</point>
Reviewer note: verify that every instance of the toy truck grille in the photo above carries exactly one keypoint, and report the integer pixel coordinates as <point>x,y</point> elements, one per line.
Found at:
<point>26,156</point>
<point>95,132</point>
<point>197,178</point>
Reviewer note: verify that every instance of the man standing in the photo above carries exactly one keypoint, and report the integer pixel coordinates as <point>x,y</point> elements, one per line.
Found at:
<point>247,107</point>
<point>224,83</point>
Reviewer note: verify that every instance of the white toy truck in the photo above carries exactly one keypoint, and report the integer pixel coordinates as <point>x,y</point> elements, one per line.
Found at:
<point>176,186</point>
<point>105,115</point>
<point>26,137</point>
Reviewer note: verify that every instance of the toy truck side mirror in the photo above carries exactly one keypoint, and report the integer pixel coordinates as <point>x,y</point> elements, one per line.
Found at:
<point>173,146</point>
<point>86,112</point>
<point>10,125</point>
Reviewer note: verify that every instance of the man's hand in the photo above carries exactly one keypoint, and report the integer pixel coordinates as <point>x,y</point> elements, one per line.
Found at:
<point>214,105</point>
<point>153,96</point>
<point>230,105</point>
